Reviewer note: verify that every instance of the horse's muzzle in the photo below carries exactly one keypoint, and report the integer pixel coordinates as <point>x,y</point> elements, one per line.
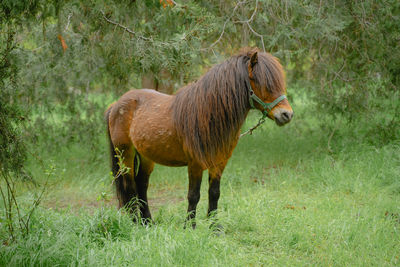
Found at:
<point>283,116</point>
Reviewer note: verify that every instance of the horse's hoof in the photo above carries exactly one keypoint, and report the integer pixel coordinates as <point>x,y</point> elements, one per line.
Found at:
<point>147,222</point>
<point>217,228</point>
<point>188,224</point>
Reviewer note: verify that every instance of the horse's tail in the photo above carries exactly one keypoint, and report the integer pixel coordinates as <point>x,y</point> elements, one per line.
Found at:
<point>125,184</point>
<point>114,160</point>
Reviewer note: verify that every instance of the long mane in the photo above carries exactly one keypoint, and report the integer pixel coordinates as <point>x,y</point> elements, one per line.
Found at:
<point>208,113</point>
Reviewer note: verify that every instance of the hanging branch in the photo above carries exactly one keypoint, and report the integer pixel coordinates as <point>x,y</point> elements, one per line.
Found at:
<point>247,22</point>
<point>223,28</point>
<point>68,22</point>
<point>256,33</point>
<point>124,28</point>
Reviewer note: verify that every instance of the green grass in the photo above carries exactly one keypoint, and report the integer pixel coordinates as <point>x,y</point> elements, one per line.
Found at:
<point>287,199</point>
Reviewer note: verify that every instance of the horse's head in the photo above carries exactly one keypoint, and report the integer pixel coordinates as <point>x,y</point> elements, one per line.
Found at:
<point>268,90</point>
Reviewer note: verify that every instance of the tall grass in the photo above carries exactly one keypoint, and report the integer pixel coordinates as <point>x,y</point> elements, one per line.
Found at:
<point>290,196</point>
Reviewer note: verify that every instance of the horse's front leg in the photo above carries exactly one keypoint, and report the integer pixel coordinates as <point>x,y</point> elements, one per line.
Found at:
<point>214,179</point>
<point>195,175</point>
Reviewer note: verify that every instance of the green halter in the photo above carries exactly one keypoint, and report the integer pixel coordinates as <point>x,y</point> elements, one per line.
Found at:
<point>267,107</point>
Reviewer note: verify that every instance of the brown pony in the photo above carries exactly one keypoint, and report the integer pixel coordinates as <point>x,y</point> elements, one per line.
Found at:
<point>197,127</point>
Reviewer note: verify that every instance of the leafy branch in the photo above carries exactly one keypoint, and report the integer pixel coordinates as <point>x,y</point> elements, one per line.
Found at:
<point>123,169</point>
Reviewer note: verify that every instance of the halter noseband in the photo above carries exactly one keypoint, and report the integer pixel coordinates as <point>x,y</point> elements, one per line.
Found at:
<point>267,107</point>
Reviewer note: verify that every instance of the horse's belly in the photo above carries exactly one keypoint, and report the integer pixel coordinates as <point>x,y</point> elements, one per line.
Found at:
<point>156,139</point>
<point>161,153</point>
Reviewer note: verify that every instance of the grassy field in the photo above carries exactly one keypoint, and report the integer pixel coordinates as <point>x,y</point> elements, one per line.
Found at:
<point>290,196</point>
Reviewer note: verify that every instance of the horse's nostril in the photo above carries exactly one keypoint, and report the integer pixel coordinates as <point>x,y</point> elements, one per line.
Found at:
<point>286,116</point>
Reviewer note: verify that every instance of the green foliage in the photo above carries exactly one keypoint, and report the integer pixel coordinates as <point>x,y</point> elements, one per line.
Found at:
<point>12,152</point>
<point>17,10</point>
<point>12,148</point>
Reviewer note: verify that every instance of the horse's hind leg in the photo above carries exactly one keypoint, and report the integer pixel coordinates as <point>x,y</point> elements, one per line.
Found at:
<point>124,179</point>
<point>146,166</point>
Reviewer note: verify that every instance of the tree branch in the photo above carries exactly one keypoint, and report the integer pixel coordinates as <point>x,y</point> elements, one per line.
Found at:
<point>124,28</point>
<point>247,22</point>
<point>223,28</point>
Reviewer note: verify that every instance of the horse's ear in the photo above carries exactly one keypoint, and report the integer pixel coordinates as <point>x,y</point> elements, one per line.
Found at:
<point>253,59</point>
